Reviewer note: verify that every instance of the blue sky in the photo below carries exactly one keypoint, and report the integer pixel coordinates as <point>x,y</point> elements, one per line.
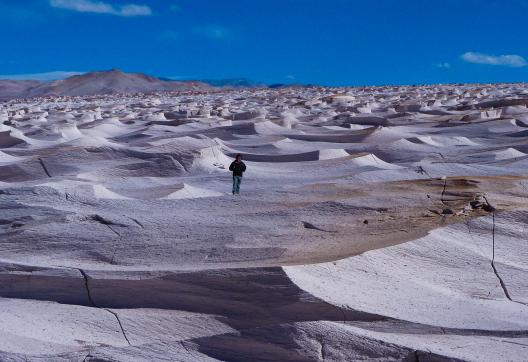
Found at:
<point>330,42</point>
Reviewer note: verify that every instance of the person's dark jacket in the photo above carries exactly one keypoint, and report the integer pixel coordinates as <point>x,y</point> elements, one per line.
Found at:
<point>238,168</point>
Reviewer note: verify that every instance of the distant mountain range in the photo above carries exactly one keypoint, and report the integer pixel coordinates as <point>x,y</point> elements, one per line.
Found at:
<point>115,81</point>
<point>233,82</point>
<point>16,88</point>
<point>101,82</point>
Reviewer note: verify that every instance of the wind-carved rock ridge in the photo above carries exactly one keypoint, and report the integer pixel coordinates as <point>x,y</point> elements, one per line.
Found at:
<point>134,191</point>
<point>93,304</point>
<point>495,271</point>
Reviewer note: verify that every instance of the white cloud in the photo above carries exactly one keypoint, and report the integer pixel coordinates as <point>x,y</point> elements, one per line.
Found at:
<point>99,7</point>
<point>41,76</point>
<point>444,65</point>
<point>135,10</point>
<point>513,60</point>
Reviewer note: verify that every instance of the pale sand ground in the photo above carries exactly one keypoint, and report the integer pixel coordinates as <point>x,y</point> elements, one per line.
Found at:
<point>366,227</point>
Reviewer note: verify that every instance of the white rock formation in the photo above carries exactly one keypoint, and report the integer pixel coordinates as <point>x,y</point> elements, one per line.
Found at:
<point>374,224</point>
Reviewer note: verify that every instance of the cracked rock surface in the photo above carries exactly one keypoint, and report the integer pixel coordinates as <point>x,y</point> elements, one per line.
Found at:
<point>376,224</point>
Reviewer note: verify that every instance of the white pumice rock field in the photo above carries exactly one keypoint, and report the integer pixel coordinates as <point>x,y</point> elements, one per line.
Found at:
<point>373,224</point>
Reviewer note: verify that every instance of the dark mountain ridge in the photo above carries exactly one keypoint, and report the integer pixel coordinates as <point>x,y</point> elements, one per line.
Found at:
<point>93,83</point>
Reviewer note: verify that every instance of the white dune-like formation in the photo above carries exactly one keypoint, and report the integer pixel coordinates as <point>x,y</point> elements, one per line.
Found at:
<point>70,132</point>
<point>508,154</point>
<point>6,158</point>
<point>328,154</point>
<point>447,291</point>
<point>373,224</point>
<point>8,140</point>
<point>190,192</point>
<point>102,192</point>
<point>372,160</point>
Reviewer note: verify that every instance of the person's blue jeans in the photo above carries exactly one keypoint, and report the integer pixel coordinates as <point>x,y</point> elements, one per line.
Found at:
<point>237,180</point>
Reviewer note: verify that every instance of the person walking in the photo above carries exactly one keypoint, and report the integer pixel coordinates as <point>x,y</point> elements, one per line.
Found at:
<point>238,167</point>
